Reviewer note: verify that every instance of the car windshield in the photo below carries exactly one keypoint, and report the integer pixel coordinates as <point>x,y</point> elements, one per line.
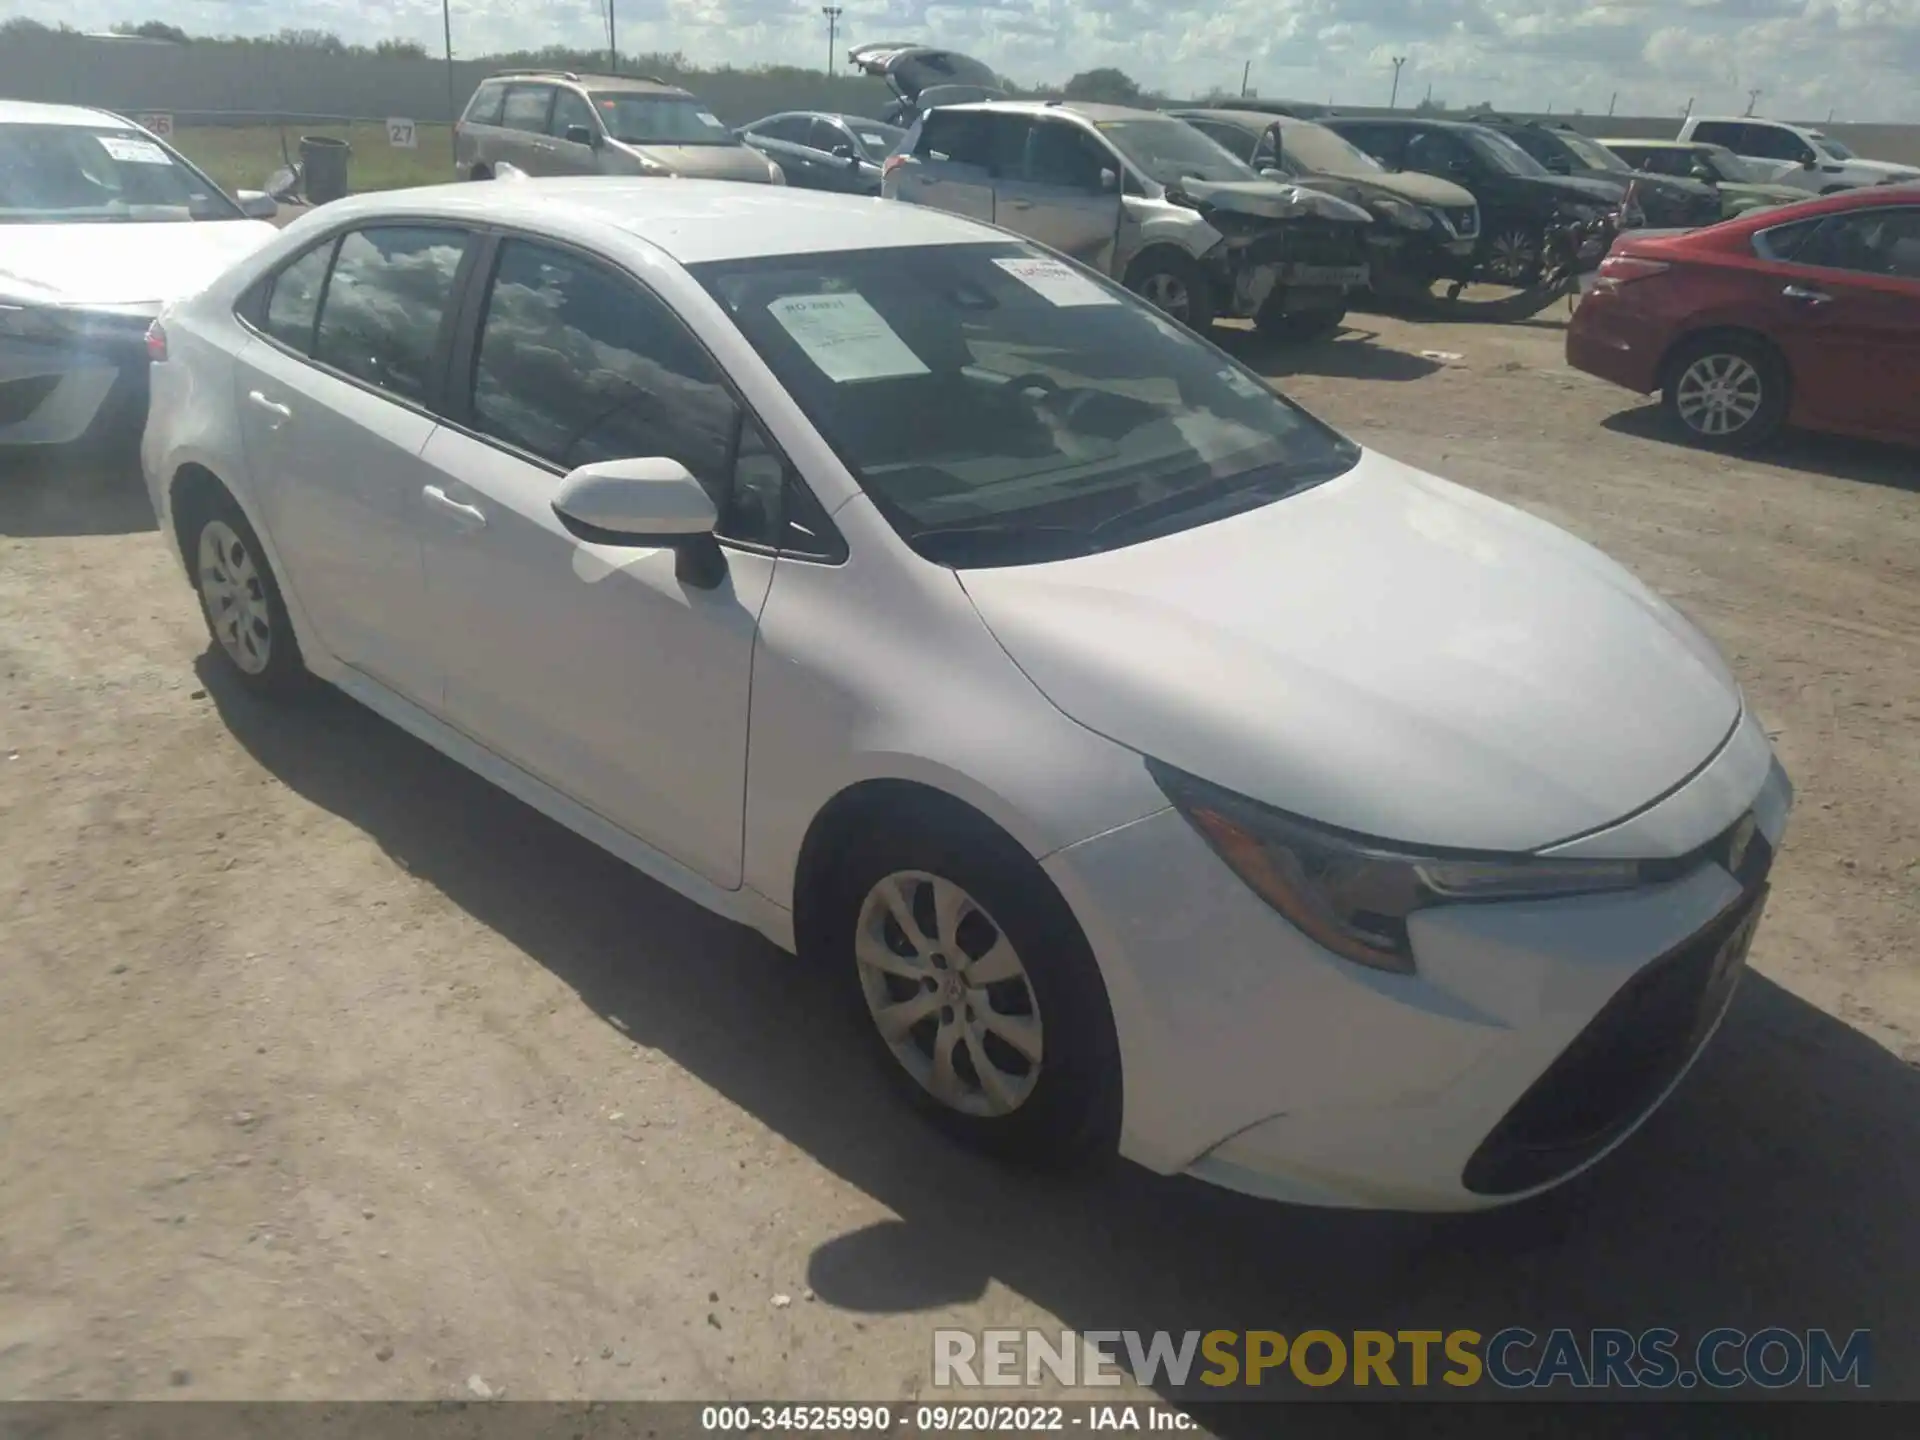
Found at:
<point>1833,148</point>
<point>877,139</point>
<point>1317,149</point>
<point>66,174</point>
<point>641,119</point>
<point>1592,153</point>
<point>1170,151</point>
<point>1500,152</point>
<point>1000,405</point>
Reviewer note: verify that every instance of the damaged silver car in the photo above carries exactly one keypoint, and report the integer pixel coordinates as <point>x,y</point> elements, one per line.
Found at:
<point>1148,200</point>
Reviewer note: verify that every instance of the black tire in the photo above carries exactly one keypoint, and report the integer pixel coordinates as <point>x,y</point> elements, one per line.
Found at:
<point>1494,267</point>
<point>1071,1114</point>
<point>1737,356</point>
<point>1159,275</point>
<point>284,673</point>
<point>481,172</point>
<point>1300,327</point>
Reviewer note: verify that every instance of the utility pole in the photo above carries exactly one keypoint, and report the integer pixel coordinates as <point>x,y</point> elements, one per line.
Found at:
<point>453,99</point>
<point>613,43</point>
<point>832,12</point>
<point>1684,114</point>
<point>1753,98</point>
<point>1246,77</point>
<point>1614,101</point>
<point>1393,100</point>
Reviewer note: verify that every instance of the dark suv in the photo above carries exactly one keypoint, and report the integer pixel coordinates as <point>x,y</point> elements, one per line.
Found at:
<point>1519,197</point>
<point>1668,202</point>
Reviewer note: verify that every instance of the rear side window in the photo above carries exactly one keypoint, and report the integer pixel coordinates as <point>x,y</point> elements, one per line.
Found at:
<point>1386,143</point>
<point>1062,154</point>
<point>793,129</point>
<point>1784,242</point>
<point>484,108</point>
<point>1722,132</point>
<point>827,136</point>
<point>293,304</point>
<point>526,108</point>
<point>963,136</point>
<point>386,303</point>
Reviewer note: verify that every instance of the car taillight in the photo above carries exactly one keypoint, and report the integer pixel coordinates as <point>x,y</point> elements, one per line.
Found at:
<point>156,343</point>
<point>893,163</point>
<point>1619,270</point>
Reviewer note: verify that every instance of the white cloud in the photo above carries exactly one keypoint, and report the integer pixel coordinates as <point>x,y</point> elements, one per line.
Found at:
<point>1859,57</point>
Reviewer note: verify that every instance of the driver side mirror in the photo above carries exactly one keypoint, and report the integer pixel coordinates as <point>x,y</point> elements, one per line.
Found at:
<point>844,151</point>
<point>1701,172</point>
<point>1807,162</point>
<point>583,135</point>
<point>1109,182</point>
<point>257,204</point>
<point>650,502</point>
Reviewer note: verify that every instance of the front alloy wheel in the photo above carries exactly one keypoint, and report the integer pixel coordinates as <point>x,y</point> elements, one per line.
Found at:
<point>949,994</point>
<point>1514,257</point>
<point>1718,396</point>
<point>235,597</point>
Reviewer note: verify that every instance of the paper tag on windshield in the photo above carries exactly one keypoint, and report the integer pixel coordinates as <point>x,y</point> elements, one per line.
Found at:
<point>846,337</point>
<point>1055,283</point>
<point>131,151</point>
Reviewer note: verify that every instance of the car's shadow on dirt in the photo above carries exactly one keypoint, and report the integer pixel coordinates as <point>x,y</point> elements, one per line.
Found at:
<point>1836,456</point>
<point>1352,354</point>
<point>1776,1189</point>
<point>99,494</point>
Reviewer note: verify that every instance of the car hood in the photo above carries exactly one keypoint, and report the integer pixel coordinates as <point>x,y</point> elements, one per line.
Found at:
<point>1387,653</point>
<point>1270,199</point>
<point>709,162</point>
<point>1884,167</point>
<point>1428,190</point>
<point>121,264</point>
<point>910,69</point>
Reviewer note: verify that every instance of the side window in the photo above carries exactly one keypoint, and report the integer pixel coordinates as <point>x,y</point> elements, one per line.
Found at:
<point>569,110</point>
<point>385,304</point>
<point>825,136</point>
<point>1386,143</point>
<point>1664,162</point>
<point>293,304</point>
<point>1270,153</point>
<point>1435,152</point>
<point>1729,133</point>
<point>1774,143</point>
<point>484,108</point>
<point>526,108</point>
<point>1059,153</point>
<point>577,364</point>
<point>793,129</point>
<point>968,137</point>
<point>1228,136</point>
<point>1867,242</point>
<point>1784,242</point>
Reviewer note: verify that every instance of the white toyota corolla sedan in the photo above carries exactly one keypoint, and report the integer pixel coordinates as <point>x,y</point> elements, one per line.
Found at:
<point>1156,768</point>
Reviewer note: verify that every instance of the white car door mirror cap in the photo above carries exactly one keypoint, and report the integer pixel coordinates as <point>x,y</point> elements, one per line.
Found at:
<point>652,499</point>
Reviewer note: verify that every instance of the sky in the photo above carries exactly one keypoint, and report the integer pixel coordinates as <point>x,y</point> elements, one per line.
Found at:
<point>1858,59</point>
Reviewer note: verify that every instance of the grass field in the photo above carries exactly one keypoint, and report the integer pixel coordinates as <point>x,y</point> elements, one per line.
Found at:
<point>241,157</point>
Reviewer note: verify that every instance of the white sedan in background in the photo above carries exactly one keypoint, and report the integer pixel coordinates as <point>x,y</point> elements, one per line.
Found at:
<point>1155,768</point>
<point>100,224</point>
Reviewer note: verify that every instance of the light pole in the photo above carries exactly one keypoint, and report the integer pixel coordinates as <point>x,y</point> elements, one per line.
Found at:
<point>832,12</point>
<point>1394,99</point>
<point>1753,98</point>
<point>613,43</point>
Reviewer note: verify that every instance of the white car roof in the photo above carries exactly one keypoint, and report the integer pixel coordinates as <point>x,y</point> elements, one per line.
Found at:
<point>27,112</point>
<point>690,220</point>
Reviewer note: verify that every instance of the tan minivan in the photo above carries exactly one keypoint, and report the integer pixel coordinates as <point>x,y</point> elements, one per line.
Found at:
<point>553,122</point>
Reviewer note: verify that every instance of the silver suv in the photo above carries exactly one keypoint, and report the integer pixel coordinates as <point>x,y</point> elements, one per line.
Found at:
<point>1148,200</point>
<point>553,122</point>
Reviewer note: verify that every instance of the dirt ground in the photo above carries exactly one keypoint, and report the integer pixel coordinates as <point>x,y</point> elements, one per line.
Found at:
<point>328,1071</point>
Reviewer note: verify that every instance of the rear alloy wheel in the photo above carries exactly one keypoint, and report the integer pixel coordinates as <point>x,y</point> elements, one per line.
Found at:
<point>1727,393</point>
<point>1174,286</point>
<point>1513,257</point>
<point>241,602</point>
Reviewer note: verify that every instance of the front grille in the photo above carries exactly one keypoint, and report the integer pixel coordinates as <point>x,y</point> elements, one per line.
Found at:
<point>1322,242</point>
<point>1622,1063</point>
<point>20,398</point>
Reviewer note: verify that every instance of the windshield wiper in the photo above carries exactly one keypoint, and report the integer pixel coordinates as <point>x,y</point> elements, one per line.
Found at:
<point>1265,484</point>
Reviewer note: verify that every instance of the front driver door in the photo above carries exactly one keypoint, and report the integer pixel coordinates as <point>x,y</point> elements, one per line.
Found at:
<point>594,667</point>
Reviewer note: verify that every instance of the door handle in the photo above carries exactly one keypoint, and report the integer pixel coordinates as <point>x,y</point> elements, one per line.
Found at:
<point>1809,296</point>
<point>470,515</point>
<point>281,414</point>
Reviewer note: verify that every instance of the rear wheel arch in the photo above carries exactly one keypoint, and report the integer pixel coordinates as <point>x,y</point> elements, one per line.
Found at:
<point>1692,339</point>
<point>194,490</point>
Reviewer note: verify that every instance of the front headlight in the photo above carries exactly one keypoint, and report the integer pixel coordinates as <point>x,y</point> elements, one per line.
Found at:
<point>1354,895</point>
<point>1408,217</point>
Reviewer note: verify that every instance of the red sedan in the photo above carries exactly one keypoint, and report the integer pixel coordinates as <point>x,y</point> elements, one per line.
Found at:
<point>1806,314</point>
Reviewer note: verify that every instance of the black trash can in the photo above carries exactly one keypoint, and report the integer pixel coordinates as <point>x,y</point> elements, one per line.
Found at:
<point>325,161</point>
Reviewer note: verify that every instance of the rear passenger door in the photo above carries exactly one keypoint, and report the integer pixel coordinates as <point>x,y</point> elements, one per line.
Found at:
<point>336,394</point>
<point>523,120</point>
<point>1053,192</point>
<point>953,163</point>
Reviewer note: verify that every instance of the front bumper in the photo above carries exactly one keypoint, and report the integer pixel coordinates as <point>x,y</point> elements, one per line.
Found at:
<point>1255,1060</point>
